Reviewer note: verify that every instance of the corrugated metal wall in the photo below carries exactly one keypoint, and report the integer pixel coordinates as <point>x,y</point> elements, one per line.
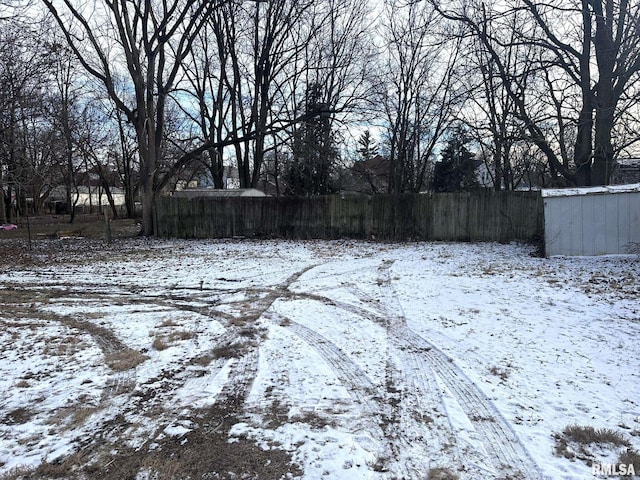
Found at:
<point>594,221</point>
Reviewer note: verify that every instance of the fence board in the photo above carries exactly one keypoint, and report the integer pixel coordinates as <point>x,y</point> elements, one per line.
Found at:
<point>485,216</point>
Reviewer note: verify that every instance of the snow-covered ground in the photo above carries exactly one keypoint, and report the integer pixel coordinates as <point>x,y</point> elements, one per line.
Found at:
<point>359,360</point>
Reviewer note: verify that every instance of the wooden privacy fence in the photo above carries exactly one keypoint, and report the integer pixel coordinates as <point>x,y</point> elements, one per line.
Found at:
<point>484,216</point>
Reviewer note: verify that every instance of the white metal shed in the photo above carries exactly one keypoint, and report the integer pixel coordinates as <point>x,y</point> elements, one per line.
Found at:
<point>592,221</point>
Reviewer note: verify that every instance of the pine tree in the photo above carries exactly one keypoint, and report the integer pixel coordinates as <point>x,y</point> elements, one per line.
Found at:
<point>310,171</point>
<point>456,171</point>
<point>367,147</point>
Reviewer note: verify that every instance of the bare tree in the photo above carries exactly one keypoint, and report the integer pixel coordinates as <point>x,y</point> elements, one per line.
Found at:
<point>64,105</point>
<point>281,31</point>
<point>24,63</point>
<point>489,110</point>
<point>14,11</point>
<point>340,56</point>
<point>587,58</point>
<point>418,96</point>
<point>244,74</point>
<point>332,87</point>
<point>250,68</point>
<point>212,75</point>
<point>151,38</point>
<point>96,146</point>
<point>124,154</point>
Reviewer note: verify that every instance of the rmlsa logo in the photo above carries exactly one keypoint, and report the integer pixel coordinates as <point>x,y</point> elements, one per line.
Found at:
<point>612,469</point>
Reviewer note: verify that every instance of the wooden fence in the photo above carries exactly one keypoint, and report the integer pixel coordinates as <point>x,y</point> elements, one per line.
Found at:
<point>484,216</point>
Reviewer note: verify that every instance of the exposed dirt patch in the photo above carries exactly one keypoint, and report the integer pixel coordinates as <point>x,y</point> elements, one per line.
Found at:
<point>204,452</point>
<point>186,443</point>
<point>58,226</point>
<point>41,240</point>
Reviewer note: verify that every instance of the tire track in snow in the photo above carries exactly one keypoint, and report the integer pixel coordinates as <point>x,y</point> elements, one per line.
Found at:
<point>375,405</point>
<point>413,404</point>
<point>352,377</point>
<point>243,363</point>
<point>244,368</point>
<point>121,359</point>
<point>122,386</point>
<point>237,341</point>
<point>503,446</point>
<point>408,428</point>
<point>118,357</point>
<point>426,422</point>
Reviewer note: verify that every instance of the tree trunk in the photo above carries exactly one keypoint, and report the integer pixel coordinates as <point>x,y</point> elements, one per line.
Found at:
<point>129,195</point>
<point>583,145</point>
<point>9,207</point>
<point>607,53</point>
<point>216,167</point>
<point>3,207</point>
<point>603,155</point>
<point>147,197</point>
<point>148,164</point>
<point>112,203</point>
<point>147,194</point>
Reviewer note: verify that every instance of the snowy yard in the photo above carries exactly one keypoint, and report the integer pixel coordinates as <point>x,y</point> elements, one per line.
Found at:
<point>315,360</point>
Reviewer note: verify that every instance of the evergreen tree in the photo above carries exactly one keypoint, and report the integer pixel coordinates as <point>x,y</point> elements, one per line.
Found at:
<point>311,169</point>
<point>367,147</point>
<point>456,171</point>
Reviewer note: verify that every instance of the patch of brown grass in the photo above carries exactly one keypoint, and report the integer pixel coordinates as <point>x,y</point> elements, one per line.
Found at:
<point>163,342</point>
<point>285,322</point>
<point>204,452</point>
<point>62,347</point>
<point>630,457</point>
<point>123,360</point>
<point>160,344</point>
<point>502,373</point>
<point>181,335</point>
<point>168,323</point>
<point>62,468</point>
<point>249,332</point>
<point>238,322</point>
<point>441,473</point>
<point>227,350</point>
<point>575,441</point>
<point>17,473</point>
<point>17,416</point>
<point>313,419</point>
<point>202,360</point>
<point>80,415</point>
<point>586,435</point>
<point>71,417</point>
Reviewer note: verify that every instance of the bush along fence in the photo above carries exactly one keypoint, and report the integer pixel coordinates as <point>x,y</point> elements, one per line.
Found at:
<point>483,216</point>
